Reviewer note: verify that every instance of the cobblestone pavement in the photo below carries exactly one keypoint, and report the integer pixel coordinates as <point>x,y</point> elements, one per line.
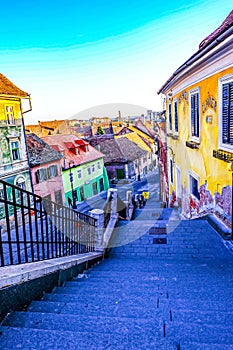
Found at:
<point>164,291</point>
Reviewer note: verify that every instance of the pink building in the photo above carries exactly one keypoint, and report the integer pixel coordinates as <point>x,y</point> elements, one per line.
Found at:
<point>45,169</point>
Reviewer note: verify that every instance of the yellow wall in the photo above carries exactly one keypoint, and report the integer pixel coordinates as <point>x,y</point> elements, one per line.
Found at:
<point>16,107</point>
<point>200,161</point>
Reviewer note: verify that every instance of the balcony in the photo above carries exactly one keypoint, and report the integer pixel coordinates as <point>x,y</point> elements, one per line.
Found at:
<point>192,144</point>
<point>223,155</point>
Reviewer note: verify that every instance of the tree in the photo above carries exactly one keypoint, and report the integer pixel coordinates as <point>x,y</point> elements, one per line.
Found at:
<point>100,130</point>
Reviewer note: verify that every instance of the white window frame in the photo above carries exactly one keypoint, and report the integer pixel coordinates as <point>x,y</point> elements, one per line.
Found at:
<point>178,183</point>
<point>171,171</point>
<point>11,149</point>
<point>20,182</point>
<point>10,115</point>
<point>193,92</point>
<point>196,177</point>
<point>170,124</point>
<point>223,80</point>
<point>93,168</point>
<point>176,102</point>
<point>89,170</point>
<point>99,165</point>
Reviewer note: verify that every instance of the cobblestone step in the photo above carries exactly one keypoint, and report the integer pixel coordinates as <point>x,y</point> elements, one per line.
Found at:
<point>107,300</point>
<point>117,309</point>
<point>153,285</point>
<point>164,299</point>
<point>188,345</point>
<point>201,333</point>
<point>85,323</point>
<point>202,316</point>
<point>41,339</point>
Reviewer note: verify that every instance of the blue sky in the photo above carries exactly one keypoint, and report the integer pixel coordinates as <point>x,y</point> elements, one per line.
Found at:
<point>73,55</point>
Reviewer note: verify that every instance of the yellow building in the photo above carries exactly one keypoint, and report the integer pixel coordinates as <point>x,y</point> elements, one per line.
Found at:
<point>199,122</point>
<point>149,162</point>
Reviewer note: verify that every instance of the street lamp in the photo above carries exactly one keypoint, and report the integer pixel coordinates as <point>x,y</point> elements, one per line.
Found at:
<point>72,185</point>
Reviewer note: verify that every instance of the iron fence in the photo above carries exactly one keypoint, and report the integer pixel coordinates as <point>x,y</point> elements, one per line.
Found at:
<point>34,229</point>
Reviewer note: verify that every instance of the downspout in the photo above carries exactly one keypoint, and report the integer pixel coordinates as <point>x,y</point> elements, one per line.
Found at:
<point>25,138</point>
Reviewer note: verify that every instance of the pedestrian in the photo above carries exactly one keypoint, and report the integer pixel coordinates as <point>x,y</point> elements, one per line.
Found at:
<point>134,201</point>
<point>140,200</point>
<point>69,202</point>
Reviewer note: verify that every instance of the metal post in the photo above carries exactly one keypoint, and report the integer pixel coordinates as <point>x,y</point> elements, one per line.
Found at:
<point>72,187</point>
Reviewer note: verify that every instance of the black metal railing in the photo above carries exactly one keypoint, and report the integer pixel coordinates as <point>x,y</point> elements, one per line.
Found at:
<point>223,155</point>
<point>34,229</point>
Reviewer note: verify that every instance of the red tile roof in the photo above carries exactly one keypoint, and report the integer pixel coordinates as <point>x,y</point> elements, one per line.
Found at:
<point>81,142</point>
<point>8,88</point>
<point>61,141</point>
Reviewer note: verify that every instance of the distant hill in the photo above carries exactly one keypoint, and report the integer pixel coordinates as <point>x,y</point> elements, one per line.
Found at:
<point>111,110</point>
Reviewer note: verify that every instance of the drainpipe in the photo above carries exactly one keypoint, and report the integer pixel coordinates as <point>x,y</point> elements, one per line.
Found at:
<point>25,138</point>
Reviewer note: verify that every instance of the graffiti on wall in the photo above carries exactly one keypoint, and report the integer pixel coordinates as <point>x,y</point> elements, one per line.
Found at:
<point>220,204</point>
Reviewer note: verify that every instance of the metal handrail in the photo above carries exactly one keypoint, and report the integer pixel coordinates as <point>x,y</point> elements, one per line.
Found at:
<point>34,229</point>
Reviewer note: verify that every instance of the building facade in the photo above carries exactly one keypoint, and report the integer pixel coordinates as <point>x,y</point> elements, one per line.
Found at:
<point>14,166</point>
<point>199,99</point>
<point>45,169</point>
<point>83,171</point>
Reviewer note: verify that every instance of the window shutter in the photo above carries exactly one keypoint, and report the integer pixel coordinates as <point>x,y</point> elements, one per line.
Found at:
<point>192,115</point>
<point>197,116</point>
<point>37,176</point>
<point>225,112</point>
<point>170,115</point>
<point>176,116</point>
<point>231,115</point>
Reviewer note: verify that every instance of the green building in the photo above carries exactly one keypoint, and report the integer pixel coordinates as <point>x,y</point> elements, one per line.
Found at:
<point>83,171</point>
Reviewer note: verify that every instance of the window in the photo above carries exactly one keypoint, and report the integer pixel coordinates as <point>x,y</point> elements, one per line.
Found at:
<point>99,165</point>
<point>15,150</point>
<point>41,175</point>
<point>171,171</point>
<point>170,116</point>
<point>52,171</point>
<point>101,182</point>
<point>1,193</point>
<point>89,171</point>
<point>79,174</point>
<point>178,183</point>
<point>193,181</point>
<point>10,115</point>
<point>58,197</point>
<point>226,112</point>
<point>176,116</point>
<point>195,114</point>
<point>94,187</point>
<point>21,183</point>
<point>93,168</point>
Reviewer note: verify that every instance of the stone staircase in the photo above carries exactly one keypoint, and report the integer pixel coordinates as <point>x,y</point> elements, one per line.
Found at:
<point>150,294</point>
<point>131,304</point>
